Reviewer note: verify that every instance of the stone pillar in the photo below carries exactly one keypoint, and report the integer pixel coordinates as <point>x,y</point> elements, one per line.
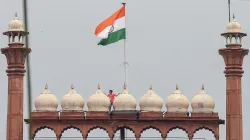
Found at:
<point>233,60</point>
<point>233,56</point>
<point>16,55</point>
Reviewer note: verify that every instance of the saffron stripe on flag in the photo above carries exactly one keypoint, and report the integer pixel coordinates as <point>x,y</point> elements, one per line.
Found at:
<point>118,25</point>
<point>109,21</point>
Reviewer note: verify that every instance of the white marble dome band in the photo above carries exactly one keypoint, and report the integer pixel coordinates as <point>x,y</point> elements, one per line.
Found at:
<point>149,102</point>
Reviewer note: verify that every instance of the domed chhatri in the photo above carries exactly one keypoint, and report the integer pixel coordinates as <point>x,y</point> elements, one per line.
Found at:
<point>177,102</point>
<point>233,26</point>
<point>98,101</point>
<point>72,101</point>
<point>16,24</point>
<point>150,102</point>
<point>46,101</point>
<point>202,103</point>
<point>124,101</point>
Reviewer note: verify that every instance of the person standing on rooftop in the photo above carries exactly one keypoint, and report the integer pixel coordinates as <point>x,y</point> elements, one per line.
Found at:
<point>111,96</point>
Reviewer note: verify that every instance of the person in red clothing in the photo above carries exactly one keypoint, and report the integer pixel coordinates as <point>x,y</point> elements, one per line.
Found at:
<point>111,96</point>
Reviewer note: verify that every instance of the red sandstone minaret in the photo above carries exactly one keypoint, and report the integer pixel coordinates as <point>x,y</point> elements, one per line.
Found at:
<point>233,56</point>
<point>15,54</point>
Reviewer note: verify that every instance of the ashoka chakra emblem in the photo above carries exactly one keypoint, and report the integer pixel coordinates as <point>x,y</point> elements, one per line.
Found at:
<point>111,29</point>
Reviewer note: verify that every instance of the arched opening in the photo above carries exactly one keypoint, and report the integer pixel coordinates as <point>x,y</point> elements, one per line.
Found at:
<point>239,40</point>
<point>20,38</point>
<point>151,134</point>
<point>234,41</point>
<point>71,133</point>
<point>45,134</point>
<point>177,133</point>
<point>203,134</point>
<point>98,133</point>
<point>9,38</point>
<point>128,133</point>
<point>12,39</point>
<point>16,39</point>
<point>228,40</point>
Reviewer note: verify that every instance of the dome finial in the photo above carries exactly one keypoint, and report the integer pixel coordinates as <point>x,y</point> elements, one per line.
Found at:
<point>99,87</point>
<point>46,85</point>
<point>150,87</point>
<point>233,16</point>
<point>72,86</point>
<point>124,86</point>
<point>15,14</point>
<point>202,87</point>
<point>177,87</point>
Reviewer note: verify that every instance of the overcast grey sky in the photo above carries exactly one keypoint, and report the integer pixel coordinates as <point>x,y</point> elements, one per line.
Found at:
<point>169,42</point>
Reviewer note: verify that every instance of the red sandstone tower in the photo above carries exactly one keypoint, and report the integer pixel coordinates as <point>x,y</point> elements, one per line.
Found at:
<point>15,54</point>
<point>233,56</point>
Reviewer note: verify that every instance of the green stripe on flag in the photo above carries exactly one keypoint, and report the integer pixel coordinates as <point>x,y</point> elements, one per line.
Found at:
<point>113,37</point>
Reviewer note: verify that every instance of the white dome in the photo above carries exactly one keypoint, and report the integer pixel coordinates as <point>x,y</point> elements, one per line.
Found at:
<point>72,101</point>
<point>177,102</point>
<point>124,101</point>
<point>98,101</point>
<point>234,26</point>
<point>150,101</point>
<point>202,103</point>
<point>16,24</point>
<point>46,101</point>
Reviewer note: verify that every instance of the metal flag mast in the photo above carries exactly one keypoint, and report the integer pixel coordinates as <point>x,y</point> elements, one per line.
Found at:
<point>229,10</point>
<point>25,9</point>
<point>125,63</point>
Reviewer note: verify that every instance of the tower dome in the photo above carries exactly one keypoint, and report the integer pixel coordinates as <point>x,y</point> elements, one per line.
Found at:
<point>202,103</point>
<point>98,101</point>
<point>124,101</point>
<point>150,101</point>
<point>177,102</point>
<point>15,24</point>
<point>46,101</point>
<point>72,101</point>
<point>234,26</point>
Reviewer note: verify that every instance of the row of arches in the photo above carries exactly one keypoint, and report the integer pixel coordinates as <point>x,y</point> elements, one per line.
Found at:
<point>16,36</point>
<point>234,40</point>
<point>100,133</point>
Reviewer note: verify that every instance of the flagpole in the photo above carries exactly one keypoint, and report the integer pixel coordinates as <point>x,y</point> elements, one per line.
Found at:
<point>125,63</point>
<point>229,10</point>
<point>25,13</point>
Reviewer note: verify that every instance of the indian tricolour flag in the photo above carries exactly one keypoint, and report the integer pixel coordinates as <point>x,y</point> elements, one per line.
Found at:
<point>112,29</point>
